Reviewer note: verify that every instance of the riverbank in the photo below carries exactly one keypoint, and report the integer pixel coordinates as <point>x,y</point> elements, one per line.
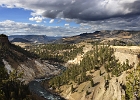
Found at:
<point>45,84</point>
<point>37,88</point>
<point>40,87</point>
<point>37,97</point>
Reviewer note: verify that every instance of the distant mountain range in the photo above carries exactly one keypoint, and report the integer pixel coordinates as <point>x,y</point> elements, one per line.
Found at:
<point>20,40</point>
<point>125,36</point>
<point>33,38</point>
<point>106,35</point>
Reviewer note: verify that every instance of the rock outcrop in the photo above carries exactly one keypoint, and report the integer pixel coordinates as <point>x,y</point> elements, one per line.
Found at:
<point>33,68</point>
<point>84,91</point>
<point>127,52</point>
<point>115,89</point>
<point>3,40</point>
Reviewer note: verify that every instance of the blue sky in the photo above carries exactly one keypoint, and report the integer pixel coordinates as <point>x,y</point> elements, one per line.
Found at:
<point>67,17</point>
<point>22,15</point>
<point>15,14</point>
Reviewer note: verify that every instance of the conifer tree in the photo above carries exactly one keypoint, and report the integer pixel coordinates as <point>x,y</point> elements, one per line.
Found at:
<point>92,82</point>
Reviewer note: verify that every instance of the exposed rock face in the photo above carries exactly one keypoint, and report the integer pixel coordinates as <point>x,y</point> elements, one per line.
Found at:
<point>115,90</point>
<point>7,66</point>
<point>4,40</point>
<point>127,52</point>
<point>32,69</point>
<point>79,57</point>
<point>116,85</point>
<point>16,58</point>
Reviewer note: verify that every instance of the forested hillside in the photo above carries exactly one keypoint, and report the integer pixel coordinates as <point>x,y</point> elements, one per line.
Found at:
<point>56,52</point>
<point>11,88</point>
<point>98,75</point>
<point>102,56</point>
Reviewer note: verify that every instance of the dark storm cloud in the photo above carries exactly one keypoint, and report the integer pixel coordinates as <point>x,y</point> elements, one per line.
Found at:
<point>134,8</point>
<point>84,10</point>
<point>92,15</point>
<point>92,10</point>
<point>78,9</point>
<point>51,13</point>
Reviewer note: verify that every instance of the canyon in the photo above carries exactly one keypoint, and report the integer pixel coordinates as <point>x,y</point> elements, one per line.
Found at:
<point>32,67</point>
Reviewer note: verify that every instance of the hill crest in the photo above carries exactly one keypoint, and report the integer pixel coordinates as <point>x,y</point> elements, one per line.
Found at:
<point>132,36</point>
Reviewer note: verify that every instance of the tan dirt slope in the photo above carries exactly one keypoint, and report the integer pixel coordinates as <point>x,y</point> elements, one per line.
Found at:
<point>115,90</point>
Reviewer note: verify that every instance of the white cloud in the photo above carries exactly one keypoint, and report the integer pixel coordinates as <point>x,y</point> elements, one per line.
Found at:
<point>67,25</point>
<point>9,27</point>
<point>38,19</point>
<point>98,14</point>
<point>89,10</point>
<point>51,21</point>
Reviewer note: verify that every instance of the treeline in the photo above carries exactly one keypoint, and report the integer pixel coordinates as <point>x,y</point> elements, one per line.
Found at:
<point>25,52</point>
<point>121,43</point>
<point>16,53</point>
<point>116,42</point>
<point>132,87</point>
<point>101,56</point>
<point>11,88</point>
<point>56,52</point>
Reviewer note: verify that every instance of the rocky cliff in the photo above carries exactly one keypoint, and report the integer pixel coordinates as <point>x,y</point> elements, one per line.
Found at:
<point>33,68</point>
<point>3,41</point>
<point>84,91</point>
<point>127,52</point>
<point>16,58</point>
<point>114,88</point>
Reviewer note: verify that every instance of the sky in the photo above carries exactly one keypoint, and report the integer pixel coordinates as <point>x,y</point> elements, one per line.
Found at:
<point>67,17</point>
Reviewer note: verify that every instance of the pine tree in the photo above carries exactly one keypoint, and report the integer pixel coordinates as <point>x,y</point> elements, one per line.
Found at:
<point>72,89</point>
<point>100,73</point>
<point>92,82</point>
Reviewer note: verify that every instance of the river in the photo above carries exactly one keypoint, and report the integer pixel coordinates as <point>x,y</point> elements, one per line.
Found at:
<point>36,87</point>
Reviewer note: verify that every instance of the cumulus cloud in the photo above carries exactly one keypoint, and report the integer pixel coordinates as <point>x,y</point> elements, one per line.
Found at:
<point>38,19</point>
<point>9,27</point>
<point>99,14</point>
<point>67,25</point>
<point>51,21</point>
<point>85,10</point>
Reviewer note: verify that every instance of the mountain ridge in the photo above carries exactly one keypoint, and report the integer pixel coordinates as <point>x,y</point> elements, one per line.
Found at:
<point>20,40</point>
<point>123,35</point>
<point>35,38</point>
<point>133,36</point>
